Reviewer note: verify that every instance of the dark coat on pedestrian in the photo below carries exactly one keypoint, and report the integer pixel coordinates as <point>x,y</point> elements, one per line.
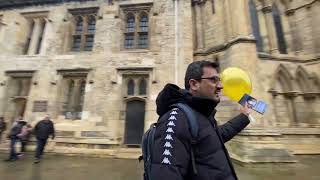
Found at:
<point>171,156</point>
<point>43,129</point>
<point>3,125</point>
<point>16,129</point>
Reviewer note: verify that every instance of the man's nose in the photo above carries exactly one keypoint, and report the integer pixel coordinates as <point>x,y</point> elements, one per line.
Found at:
<point>219,85</point>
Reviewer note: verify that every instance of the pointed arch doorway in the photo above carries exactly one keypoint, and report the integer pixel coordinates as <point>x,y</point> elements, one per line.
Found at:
<point>134,122</point>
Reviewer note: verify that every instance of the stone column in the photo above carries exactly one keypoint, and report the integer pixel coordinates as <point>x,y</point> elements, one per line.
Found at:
<point>3,95</point>
<point>308,39</point>
<point>36,33</point>
<point>267,10</point>
<point>1,28</point>
<point>199,25</point>
<point>45,32</point>
<point>240,18</point>
<point>295,35</point>
<point>227,21</point>
<point>315,28</point>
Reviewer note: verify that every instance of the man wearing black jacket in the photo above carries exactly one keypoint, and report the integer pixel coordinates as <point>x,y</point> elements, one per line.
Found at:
<point>3,127</point>
<point>15,130</point>
<point>172,149</point>
<point>42,130</point>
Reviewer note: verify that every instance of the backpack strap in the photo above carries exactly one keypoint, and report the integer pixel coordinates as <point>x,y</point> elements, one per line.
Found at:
<point>151,141</point>
<point>147,150</point>
<point>194,129</point>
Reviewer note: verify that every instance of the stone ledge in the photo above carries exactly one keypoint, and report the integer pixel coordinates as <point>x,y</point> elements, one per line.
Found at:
<point>86,140</point>
<point>225,46</point>
<point>277,145</point>
<point>255,152</point>
<point>288,58</point>
<point>299,131</point>
<point>280,131</point>
<point>119,153</point>
<point>23,3</point>
<point>259,132</point>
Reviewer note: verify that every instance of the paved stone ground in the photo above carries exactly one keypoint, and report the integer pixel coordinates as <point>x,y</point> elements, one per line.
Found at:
<point>54,167</point>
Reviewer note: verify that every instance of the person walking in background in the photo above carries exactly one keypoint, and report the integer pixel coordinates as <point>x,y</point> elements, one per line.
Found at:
<point>3,127</point>
<point>24,136</point>
<point>42,130</point>
<point>13,136</point>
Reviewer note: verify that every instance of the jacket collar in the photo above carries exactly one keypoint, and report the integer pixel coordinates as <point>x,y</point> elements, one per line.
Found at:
<point>205,106</point>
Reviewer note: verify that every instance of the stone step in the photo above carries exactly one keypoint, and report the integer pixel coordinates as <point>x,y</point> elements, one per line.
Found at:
<point>129,150</point>
<point>128,153</point>
<point>121,153</point>
<point>4,146</point>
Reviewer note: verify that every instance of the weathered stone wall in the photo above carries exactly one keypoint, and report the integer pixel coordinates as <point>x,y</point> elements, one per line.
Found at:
<point>224,35</point>
<point>104,105</point>
<point>228,39</point>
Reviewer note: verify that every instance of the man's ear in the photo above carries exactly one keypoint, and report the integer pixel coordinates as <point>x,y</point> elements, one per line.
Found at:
<point>194,84</point>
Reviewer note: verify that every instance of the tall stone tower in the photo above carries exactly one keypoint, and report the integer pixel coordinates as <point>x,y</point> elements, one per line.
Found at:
<point>277,43</point>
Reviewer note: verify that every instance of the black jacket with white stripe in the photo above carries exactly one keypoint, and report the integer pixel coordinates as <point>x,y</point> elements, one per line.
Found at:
<point>171,156</point>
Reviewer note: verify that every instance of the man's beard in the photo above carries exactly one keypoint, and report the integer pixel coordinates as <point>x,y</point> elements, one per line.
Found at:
<point>213,98</point>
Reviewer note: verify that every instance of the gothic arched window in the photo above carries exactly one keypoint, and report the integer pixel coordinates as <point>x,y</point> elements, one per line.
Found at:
<point>136,34</point>
<point>91,24</point>
<point>70,89</point>
<point>130,31</point>
<point>143,33</point>
<point>77,34</point>
<point>84,30</point>
<point>255,25</point>
<point>82,87</point>
<point>282,46</point>
<point>130,87</point>
<point>130,26</point>
<point>144,23</point>
<point>79,24</point>
<point>143,87</point>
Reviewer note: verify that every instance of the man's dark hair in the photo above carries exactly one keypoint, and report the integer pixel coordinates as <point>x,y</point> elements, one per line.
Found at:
<point>195,70</point>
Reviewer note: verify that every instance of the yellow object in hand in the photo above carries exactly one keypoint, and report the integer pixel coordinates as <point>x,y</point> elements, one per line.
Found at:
<point>236,83</point>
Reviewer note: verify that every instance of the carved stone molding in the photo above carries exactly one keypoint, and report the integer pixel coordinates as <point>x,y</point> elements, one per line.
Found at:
<point>267,9</point>
<point>22,73</point>
<point>74,72</point>
<point>34,15</point>
<point>198,2</point>
<point>136,7</point>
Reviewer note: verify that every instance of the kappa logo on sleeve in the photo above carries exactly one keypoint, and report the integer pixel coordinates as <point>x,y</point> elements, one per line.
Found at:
<point>172,118</point>
<point>171,123</point>
<point>168,145</point>
<point>167,152</point>
<point>168,137</point>
<point>169,130</point>
<point>173,112</point>
<point>165,161</point>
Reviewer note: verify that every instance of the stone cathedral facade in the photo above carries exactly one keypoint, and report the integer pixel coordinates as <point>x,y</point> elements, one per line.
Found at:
<point>96,66</point>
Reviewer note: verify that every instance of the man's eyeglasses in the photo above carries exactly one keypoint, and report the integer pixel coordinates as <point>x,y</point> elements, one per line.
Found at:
<point>214,79</point>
